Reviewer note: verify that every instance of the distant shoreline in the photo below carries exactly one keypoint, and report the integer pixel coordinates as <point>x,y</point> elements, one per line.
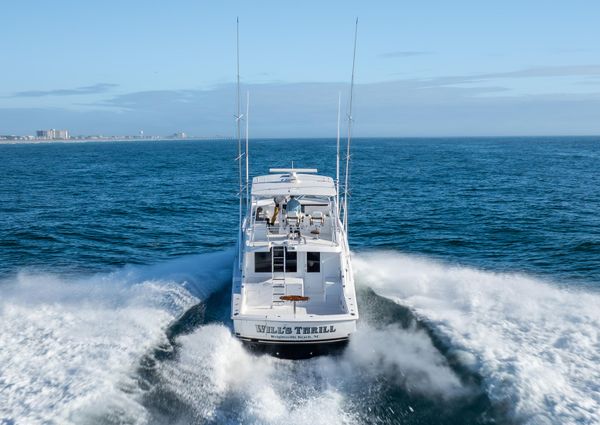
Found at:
<point>102,140</point>
<point>226,139</point>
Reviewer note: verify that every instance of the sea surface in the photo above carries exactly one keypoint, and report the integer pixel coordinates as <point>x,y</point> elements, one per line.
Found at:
<point>477,262</point>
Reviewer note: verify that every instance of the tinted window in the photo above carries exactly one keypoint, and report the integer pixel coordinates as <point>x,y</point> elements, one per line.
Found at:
<point>291,261</point>
<point>313,262</point>
<point>262,262</point>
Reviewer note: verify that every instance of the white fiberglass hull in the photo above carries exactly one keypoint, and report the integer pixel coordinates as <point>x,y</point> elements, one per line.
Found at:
<point>293,339</point>
<point>291,331</point>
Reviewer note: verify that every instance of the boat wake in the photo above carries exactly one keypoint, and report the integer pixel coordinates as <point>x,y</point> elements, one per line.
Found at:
<point>535,345</point>
<point>152,345</point>
<point>69,346</point>
<point>385,373</point>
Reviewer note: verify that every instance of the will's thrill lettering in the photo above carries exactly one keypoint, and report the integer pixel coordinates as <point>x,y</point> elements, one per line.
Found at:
<point>297,330</point>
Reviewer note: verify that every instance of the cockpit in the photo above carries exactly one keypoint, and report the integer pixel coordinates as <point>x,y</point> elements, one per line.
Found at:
<point>294,216</point>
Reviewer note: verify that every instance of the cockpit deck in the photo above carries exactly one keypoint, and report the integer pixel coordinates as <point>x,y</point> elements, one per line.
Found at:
<point>262,299</point>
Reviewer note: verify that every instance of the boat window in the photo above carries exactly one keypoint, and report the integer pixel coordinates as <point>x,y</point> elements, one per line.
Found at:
<point>291,261</point>
<point>265,262</point>
<point>313,262</point>
<point>262,262</point>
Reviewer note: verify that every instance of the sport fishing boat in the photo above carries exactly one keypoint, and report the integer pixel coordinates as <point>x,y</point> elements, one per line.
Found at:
<point>293,283</point>
<point>293,291</point>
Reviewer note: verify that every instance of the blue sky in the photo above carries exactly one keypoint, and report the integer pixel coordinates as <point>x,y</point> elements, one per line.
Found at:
<point>428,68</point>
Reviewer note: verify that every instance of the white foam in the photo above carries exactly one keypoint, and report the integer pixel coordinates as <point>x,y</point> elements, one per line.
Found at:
<point>221,381</point>
<point>408,357</point>
<point>536,346</point>
<point>70,347</point>
<point>213,366</point>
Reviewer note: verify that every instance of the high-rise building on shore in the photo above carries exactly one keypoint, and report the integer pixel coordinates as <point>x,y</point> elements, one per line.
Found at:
<point>53,134</point>
<point>61,134</point>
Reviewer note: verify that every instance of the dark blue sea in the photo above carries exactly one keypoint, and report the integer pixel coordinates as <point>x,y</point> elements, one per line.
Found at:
<point>477,262</point>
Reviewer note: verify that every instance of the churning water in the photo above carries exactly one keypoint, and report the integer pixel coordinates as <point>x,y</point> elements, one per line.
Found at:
<point>477,262</point>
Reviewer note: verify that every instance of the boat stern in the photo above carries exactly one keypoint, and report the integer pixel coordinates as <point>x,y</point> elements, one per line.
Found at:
<point>294,339</point>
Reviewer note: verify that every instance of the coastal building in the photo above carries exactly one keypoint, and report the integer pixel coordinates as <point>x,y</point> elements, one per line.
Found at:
<point>61,134</point>
<point>52,134</point>
<point>12,137</point>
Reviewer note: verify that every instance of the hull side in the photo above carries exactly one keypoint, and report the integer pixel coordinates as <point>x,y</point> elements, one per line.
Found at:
<point>295,350</point>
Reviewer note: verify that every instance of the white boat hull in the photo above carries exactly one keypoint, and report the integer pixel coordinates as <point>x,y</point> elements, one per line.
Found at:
<point>314,331</point>
<point>295,340</point>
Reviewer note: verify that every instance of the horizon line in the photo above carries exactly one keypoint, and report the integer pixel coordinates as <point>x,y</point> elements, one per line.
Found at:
<point>229,139</point>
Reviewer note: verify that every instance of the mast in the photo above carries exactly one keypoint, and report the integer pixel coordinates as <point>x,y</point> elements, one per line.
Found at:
<point>337,157</point>
<point>347,177</point>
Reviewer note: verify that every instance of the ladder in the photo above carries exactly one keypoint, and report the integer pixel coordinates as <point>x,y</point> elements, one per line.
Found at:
<point>278,274</point>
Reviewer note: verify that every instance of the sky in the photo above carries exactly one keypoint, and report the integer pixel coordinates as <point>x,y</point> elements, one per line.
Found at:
<point>429,68</point>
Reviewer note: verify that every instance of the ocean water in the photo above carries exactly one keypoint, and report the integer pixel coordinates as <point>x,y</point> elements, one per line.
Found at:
<point>477,263</point>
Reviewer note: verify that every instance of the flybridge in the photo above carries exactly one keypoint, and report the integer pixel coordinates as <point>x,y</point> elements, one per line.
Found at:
<point>293,184</point>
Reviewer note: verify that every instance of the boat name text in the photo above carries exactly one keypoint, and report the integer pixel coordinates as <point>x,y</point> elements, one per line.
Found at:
<point>298,330</point>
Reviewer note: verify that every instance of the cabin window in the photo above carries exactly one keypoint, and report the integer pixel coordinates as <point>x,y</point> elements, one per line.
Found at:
<point>313,262</point>
<point>291,261</point>
<point>276,260</point>
<point>262,262</point>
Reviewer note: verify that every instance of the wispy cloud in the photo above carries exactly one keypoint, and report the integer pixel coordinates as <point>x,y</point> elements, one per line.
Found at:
<point>404,54</point>
<point>536,72</point>
<point>584,71</point>
<point>93,89</point>
<point>475,104</point>
<point>546,71</point>
<point>407,107</point>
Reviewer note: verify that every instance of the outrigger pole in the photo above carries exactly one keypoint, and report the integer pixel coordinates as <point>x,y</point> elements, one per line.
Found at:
<point>347,177</point>
<point>238,117</point>
<point>247,152</point>
<point>337,157</point>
